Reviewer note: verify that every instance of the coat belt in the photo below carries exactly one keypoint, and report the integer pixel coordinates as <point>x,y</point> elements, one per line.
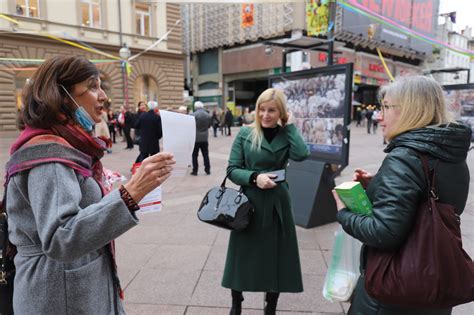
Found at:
<point>30,250</point>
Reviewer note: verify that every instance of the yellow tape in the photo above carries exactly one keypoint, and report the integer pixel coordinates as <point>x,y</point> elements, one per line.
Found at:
<point>3,16</point>
<point>385,66</point>
<point>81,47</point>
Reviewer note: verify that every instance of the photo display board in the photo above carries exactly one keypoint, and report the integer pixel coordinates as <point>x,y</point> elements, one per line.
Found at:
<point>319,100</point>
<point>460,102</point>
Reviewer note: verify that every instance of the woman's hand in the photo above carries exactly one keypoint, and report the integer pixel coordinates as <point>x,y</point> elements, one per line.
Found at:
<point>151,174</point>
<point>339,204</point>
<point>264,181</point>
<point>362,176</point>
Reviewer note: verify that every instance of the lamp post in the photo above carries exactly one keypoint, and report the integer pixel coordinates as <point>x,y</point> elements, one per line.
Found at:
<point>125,53</point>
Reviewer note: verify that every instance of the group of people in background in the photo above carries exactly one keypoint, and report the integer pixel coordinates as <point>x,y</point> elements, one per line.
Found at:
<point>367,117</point>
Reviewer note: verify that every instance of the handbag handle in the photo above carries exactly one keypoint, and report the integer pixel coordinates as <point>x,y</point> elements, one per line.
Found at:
<point>432,195</point>
<point>241,190</point>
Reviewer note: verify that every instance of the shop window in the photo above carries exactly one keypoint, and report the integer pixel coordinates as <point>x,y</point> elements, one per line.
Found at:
<point>28,8</point>
<point>21,79</point>
<point>143,19</point>
<point>90,13</point>
<point>208,62</point>
<point>145,89</point>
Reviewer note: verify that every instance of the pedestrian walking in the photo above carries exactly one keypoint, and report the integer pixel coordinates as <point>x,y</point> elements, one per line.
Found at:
<point>203,122</point>
<point>112,123</point>
<point>62,217</point>
<point>264,257</point>
<point>414,119</point>
<point>229,121</point>
<point>368,116</point>
<point>215,122</point>
<point>141,109</point>
<point>129,121</point>
<point>375,122</point>
<point>150,127</point>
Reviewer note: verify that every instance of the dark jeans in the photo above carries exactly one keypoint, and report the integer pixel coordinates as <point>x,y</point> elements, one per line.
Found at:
<point>204,146</point>
<point>112,132</point>
<point>227,132</point>
<point>214,127</point>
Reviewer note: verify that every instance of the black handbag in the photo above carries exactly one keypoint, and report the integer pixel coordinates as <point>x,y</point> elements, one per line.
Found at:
<point>226,207</point>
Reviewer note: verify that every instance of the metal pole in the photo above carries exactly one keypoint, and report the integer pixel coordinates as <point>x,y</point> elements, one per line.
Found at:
<point>124,70</point>
<point>468,75</point>
<point>283,61</point>
<point>332,21</point>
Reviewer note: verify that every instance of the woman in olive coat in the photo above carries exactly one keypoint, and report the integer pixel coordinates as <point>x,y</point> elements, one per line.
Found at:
<point>264,257</point>
<point>415,120</point>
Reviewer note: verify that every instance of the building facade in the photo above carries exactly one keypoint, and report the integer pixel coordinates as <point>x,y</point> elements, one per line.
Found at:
<point>45,28</point>
<point>230,63</point>
<point>449,59</point>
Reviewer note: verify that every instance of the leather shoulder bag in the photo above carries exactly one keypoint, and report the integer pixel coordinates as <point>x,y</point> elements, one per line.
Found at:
<point>226,207</point>
<point>430,270</point>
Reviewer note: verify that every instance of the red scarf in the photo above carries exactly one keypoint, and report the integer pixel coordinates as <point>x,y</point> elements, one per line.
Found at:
<point>75,136</point>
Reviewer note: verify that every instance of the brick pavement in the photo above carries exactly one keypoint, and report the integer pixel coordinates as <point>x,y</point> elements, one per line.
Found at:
<point>172,263</point>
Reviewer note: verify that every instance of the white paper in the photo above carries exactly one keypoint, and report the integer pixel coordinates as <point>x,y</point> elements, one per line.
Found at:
<point>179,136</point>
<point>151,202</point>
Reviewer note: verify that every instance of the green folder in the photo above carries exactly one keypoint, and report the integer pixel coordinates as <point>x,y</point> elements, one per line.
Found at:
<point>354,197</point>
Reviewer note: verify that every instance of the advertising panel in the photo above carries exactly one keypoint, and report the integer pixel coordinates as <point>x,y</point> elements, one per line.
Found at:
<point>419,15</point>
<point>319,100</point>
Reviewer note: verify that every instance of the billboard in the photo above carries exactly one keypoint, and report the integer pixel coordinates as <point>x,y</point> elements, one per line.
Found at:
<point>460,102</point>
<point>319,100</point>
<point>419,15</point>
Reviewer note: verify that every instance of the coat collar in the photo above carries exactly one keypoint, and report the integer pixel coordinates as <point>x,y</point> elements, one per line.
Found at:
<point>280,141</point>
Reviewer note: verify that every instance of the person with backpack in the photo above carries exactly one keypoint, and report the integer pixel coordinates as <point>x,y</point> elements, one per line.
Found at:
<point>62,216</point>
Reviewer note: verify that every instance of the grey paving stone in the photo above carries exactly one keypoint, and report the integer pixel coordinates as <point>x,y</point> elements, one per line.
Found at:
<point>162,286</point>
<point>150,309</point>
<point>182,257</point>
<point>209,292</point>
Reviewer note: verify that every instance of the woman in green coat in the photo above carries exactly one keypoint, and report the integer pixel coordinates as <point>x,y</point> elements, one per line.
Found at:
<point>264,257</point>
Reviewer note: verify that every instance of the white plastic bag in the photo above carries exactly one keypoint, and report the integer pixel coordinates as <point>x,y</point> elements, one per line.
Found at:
<point>343,271</point>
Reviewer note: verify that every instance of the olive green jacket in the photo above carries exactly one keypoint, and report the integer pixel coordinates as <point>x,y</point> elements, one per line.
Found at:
<point>265,257</point>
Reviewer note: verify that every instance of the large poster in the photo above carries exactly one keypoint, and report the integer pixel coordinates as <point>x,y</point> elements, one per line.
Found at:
<point>460,102</point>
<point>319,100</point>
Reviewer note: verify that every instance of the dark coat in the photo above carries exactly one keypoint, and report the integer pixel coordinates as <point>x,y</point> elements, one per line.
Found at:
<point>396,191</point>
<point>151,132</point>
<point>229,118</point>
<point>265,257</point>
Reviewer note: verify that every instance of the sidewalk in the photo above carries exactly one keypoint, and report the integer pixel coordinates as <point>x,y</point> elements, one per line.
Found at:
<point>171,263</point>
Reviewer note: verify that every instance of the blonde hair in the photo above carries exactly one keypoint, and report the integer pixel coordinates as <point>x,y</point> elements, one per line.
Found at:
<point>268,95</point>
<point>421,102</point>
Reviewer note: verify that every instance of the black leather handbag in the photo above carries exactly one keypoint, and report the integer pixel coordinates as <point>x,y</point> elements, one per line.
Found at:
<point>226,208</point>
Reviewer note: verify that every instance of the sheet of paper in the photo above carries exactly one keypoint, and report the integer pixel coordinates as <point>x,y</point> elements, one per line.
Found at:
<point>179,135</point>
<point>151,202</point>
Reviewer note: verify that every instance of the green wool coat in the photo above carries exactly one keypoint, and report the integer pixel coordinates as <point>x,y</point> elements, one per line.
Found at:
<point>264,257</point>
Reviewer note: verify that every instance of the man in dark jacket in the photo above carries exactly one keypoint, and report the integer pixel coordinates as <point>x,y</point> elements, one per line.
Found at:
<point>203,122</point>
<point>151,132</point>
<point>229,121</point>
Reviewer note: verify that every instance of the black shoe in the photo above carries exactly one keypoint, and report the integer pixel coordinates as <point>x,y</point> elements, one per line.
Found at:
<point>208,172</point>
<point>194,173</point>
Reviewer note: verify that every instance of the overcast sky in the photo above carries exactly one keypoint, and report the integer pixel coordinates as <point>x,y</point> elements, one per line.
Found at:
<point>464,9</point>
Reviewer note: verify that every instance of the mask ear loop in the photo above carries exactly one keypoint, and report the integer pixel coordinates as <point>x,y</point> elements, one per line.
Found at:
<point>70,96</point>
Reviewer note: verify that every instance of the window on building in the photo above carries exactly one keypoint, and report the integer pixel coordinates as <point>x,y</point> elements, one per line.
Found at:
<point>90,13</point>
<point>28,8</point>
<point>145,89</point>
<point>208,62</point>
<point>143,19</point>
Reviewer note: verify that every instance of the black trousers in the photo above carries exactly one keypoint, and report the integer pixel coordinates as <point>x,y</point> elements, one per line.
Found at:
<point>126,131</point>
<point>204,147</point>
<point>143,155</point>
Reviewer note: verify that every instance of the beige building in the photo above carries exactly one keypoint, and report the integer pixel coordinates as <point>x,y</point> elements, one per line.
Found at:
<point>105,25</point>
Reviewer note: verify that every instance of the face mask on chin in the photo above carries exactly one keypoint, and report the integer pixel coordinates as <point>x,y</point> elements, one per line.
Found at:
<point>82,116</point>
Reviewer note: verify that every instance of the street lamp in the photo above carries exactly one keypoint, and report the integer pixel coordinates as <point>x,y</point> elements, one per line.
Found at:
<point>125,53</point>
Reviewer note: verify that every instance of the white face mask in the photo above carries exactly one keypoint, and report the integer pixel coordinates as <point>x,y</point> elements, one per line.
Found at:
<point>82,116</point>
